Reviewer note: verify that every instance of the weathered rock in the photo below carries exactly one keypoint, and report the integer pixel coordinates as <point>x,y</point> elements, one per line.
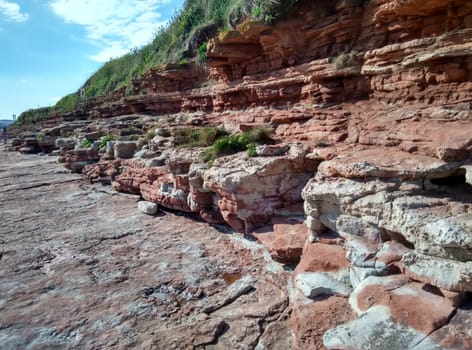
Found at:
<point>30,145</point>
<point>375,330</point>
<point>81,285</point>
<point>238,288</point>
<point>388,209</point>
<point>393,313</point>
<point>93,135</point>
<point>448,274</point>
<point>288,242</point>
<point>76,160</point>
<point>271,150</point>
<point>65,143</point>
<point>320,257</point>
<point>457,333</point>
<point>386,163</point>
<point>409,303</point>
<point>313,284</point>
<point>147,207</point>
<point>310,320</point>
<point>124,149</point>
<point>244,183</point>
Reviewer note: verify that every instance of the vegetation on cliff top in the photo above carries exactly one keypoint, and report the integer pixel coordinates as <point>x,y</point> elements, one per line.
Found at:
<point>183,38</point>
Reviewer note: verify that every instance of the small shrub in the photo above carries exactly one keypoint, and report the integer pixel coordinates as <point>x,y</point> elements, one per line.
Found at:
<point>321,143</point>
<point>200,137</point>
<point>183,62</point>
<point>40,136</point>
<point>150,135</point>
<point>339,61</point>
<point>86,143</point>
<point>342,60</point>
<point>202,54</point>
<point>238,142</point>
<point>251,150</point>
<point>105,139</point>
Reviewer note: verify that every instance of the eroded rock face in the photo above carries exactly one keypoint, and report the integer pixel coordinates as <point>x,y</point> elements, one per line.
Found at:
<point>377,97</point>
<point>245,193</point>
<point>253,190</point>
<point>404,222</point>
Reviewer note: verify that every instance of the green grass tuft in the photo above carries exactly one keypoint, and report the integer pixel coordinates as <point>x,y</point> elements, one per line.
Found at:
<point>238,142</point>
<point>86,143</point>
<point>105,139</point>
<point>321,143</point>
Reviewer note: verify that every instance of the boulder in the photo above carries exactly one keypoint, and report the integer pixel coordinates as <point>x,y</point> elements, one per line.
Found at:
<point>148,208</point>
<point>289,238</point>
<point>309,319</point>
<point>376,330</point>
<point>124,149</point>
<point>65,143</point>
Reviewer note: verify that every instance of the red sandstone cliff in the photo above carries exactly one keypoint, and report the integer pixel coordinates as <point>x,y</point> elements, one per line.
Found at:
<point>380,220</point>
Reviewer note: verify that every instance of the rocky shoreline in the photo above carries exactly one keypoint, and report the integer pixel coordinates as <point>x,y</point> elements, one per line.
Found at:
<point>81,267</point>
<point>363,192</point>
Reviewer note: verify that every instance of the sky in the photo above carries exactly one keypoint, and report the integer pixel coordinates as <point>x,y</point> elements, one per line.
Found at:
<point>48,48</point>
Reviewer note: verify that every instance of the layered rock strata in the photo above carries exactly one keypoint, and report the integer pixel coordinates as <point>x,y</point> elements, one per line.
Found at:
<point>369,188</point>
<point>243,192</point>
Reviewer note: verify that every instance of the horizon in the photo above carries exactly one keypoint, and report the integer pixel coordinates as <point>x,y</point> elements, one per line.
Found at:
<point>53,46</point>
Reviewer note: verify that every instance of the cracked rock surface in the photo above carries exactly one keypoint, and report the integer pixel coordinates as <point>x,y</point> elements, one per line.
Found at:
<point>82,267</point>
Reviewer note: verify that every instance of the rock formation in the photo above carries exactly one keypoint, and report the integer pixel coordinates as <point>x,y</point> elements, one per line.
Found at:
<point>368,187</point>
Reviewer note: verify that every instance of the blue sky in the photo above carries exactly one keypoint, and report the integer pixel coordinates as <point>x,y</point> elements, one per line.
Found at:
<point>48,48</point>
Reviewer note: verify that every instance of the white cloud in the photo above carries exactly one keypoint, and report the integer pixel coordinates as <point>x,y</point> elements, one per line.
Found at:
<point>115,26</point>
<point>12,11</point>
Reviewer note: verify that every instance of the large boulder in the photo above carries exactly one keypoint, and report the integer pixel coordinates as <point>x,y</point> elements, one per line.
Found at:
<point>148,208</point>
<point>124,149</point>
<point>65,143</point>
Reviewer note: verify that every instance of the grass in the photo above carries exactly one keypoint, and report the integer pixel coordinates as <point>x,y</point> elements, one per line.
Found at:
<point>33,116</point>
<point>251,150</point>
<point>245,141</point>
<point>321,143</point>
<point>86,143</point>
<point>150,135</point>
<point>200,137</point>
<point>268,10</point>
<point>105,139</point>
<point>219,142</point>
<point>342,60</point>
<point>202,54</point>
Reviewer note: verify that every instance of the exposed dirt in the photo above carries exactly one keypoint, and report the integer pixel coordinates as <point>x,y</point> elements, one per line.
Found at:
<point>81,267</point>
